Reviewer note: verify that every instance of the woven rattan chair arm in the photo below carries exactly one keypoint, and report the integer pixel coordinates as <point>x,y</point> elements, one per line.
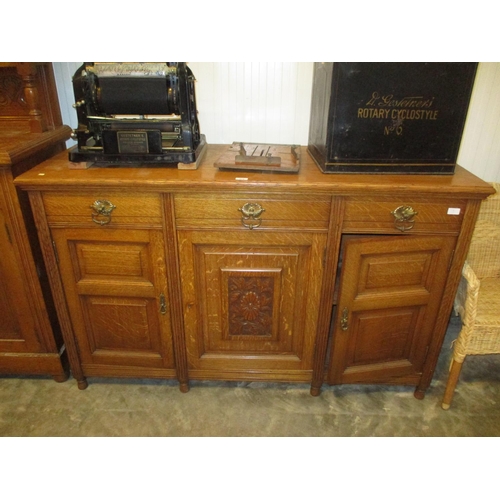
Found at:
<point>471,296</point>
<point>468,273</point>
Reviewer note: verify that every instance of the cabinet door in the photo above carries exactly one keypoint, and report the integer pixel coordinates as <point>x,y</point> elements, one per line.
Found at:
<point>18,331</point>
<point>251,303</point>
<point>390,293</point>
<point>115,283</point>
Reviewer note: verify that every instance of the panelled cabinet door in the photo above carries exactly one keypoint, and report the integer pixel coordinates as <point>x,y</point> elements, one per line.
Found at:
<point>390,294</point>
<point>115,283</point>
<point>251,302</point>
<point>17,324</point>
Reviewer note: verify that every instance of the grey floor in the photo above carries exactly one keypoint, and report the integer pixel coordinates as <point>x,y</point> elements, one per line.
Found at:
<point>38,406</point>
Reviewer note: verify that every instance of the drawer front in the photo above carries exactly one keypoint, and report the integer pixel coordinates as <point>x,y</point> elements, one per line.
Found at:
<point>252,212</point>
<point>103,209</point>
<point>401,215</point>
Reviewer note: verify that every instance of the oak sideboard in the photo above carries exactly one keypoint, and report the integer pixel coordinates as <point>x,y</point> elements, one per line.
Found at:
<point>234,275</point>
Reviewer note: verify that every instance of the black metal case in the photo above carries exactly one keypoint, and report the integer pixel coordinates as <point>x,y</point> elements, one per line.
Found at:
<point>389,117</point>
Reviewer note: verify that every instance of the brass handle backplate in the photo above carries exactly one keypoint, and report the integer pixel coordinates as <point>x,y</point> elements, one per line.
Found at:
<point>404,218</point>
<point>101,211</point>
<point>251,213</point>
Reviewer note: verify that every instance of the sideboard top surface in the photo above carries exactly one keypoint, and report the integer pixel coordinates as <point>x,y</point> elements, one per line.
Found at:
<point>16,146</point>
<point>55,174</point>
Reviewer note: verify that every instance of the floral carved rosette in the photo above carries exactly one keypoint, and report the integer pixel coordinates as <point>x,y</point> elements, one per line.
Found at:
<point>250,305</point>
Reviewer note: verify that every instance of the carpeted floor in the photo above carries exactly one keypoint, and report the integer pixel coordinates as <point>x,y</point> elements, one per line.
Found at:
<point>38,406</point>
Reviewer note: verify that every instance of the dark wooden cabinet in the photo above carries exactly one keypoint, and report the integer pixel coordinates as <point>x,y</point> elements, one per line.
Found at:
<point>30,132</point>
<point>176,281</point>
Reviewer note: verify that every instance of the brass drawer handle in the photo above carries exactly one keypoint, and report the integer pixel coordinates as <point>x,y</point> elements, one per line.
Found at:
<point>101,211</point>
<point>403,218</point>
<point>250,217</point>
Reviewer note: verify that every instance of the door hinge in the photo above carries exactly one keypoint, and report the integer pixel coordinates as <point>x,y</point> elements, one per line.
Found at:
<point>55,251</point>
<point>8,233</point>
<point>427,351</point>
<point>451,259</point>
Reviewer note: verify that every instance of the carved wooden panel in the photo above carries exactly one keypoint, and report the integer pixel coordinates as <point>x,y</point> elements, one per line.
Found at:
<point>114,280</point>
<point>11,93</point>
<point>251,300</point>
<point>250,318</point>
<point>250,303</point>
<point>390,291</point>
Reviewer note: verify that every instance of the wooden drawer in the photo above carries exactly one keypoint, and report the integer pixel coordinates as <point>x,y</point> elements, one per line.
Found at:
<point>302,212</point>
<point>375,215</point>
<point>125,209</point>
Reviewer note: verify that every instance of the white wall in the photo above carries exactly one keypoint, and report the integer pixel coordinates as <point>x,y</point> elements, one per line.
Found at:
<point>255,102</point>
<point>480,147</point>
<point>63,72</point>
<point>270,102</point>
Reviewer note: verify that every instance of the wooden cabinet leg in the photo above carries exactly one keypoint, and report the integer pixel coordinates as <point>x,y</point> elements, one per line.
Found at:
<point>82,384</point>
<point>61,378</point>
<point>315,391</point>
<point>419,393</point>
<point>64,375</point>
<point>455,370</point>
<point>184,387</point>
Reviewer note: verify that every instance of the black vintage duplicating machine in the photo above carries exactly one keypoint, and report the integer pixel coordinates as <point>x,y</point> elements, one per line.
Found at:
<point>136,113</point>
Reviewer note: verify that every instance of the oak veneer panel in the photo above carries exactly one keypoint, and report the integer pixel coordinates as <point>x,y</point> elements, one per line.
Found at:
<point>18,330</point>
<point>370,214</point>
<point>113,280</point>
<point>390,292</point>
<point>298,212</point>
<point>76,208</point>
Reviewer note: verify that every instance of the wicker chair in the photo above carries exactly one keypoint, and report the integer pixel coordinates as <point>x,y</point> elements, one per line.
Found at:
<point>478,296</point>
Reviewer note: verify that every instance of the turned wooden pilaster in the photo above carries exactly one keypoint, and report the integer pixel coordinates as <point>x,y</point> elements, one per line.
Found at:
<point>28,72</point>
